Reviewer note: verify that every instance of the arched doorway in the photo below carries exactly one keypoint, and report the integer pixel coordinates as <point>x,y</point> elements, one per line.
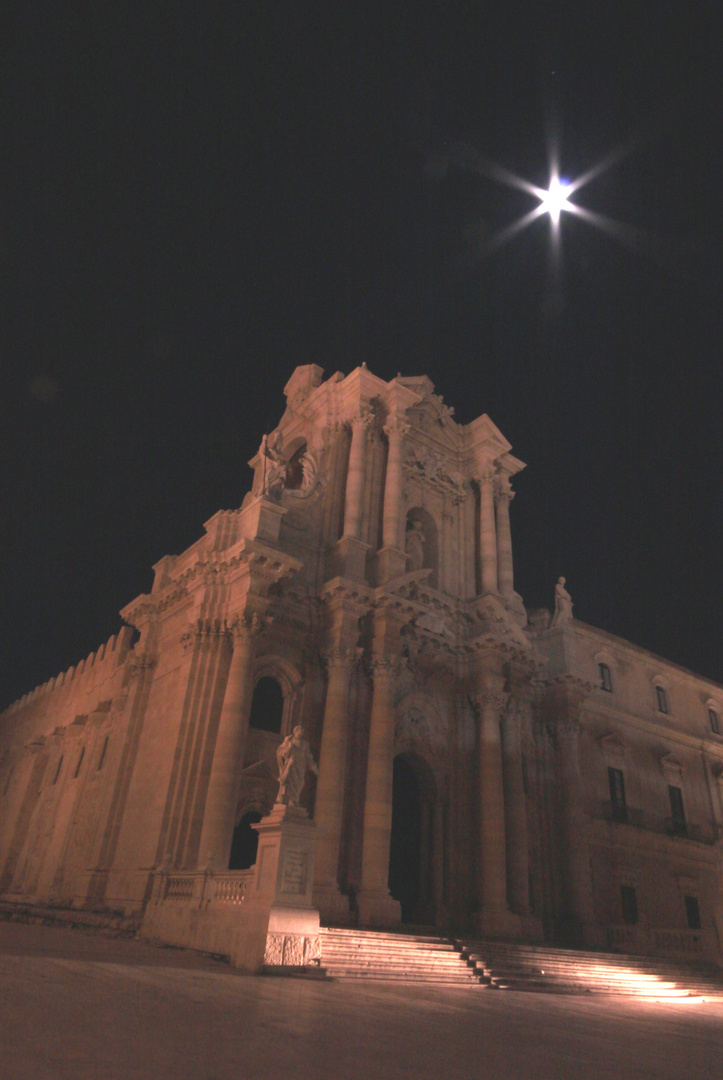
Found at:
<point>411,850</point>
<point>245,842</point>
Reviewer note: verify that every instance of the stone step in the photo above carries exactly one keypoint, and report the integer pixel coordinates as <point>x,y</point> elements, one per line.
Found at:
<point>538,968</point>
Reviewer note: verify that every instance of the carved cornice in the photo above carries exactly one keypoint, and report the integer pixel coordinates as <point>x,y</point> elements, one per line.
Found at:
<point>432,470</point>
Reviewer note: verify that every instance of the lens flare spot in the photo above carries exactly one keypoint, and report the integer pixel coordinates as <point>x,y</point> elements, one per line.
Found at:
<point>555,199</point>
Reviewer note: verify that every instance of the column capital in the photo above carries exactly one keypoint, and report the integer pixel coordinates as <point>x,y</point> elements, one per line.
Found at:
<point>384,667</point>
<point>247,626</point>
<point>486,476</point>
<point>336,657</point>
<point>396,428</point>
<point>489,699</point>
<point>141,661</point>
<point>503,489</point>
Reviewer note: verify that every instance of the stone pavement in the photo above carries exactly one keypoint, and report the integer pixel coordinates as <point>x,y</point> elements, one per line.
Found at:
<point>76,1006</point>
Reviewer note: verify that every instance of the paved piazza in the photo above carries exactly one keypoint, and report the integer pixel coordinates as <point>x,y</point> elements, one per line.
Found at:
<point>77,1005</point>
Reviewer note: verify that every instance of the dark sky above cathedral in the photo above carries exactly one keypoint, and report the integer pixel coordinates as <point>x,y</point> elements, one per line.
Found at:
<point>196,198</point>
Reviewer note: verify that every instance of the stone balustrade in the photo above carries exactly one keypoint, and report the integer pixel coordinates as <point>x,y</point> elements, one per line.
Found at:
<point>203,888</point>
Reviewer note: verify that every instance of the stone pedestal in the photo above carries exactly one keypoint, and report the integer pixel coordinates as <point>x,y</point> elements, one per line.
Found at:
<point>261,519</point>
<point>349,558</point>
<point>284,878</point>
<point>391,563</point>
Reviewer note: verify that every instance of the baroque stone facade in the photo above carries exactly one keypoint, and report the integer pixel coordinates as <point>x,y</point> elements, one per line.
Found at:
<point>509,773</point>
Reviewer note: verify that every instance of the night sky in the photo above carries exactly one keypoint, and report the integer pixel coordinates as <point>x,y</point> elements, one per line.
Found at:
<point>195,198</point>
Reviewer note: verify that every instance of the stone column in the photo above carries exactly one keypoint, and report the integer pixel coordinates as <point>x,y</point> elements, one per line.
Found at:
<point>518,882</point>
<point>505,575</point>
<point>491,861</point>
<point>225,777</point>
<point>376,906</point>
<point>574,830</point>
<point>393,523</point>
<point>355,478</point>
<point>488,533</point>
<point>438,863</point>
<point>330,787</point>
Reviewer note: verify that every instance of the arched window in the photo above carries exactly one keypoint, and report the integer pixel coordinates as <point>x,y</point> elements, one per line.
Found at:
<point>245,842</point>
<point>267,705</point>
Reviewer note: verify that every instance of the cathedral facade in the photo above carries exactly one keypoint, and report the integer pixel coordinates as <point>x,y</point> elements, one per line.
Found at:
<point>514,774</point>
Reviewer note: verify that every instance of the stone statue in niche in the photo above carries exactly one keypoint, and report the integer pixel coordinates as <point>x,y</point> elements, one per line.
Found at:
<point>563,604</point>
<point>414,546</point>
<point>294,758</point>
<point>273,466</point>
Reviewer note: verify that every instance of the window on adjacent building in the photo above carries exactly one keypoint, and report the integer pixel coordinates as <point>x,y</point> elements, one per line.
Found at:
<point>714,724</point>
<point>629,899</point>
<point>57,771</point>
<point>80,762</point>
<point>677,810</point>
<point>606,682</point>
<point>618,806</point>
<point>662,699</point>
<point>267,706</point>
<point>692,911</point>
<point>101,759</point>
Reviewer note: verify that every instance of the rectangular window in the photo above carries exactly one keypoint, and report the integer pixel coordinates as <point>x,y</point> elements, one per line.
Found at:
<point>662,699</point>
<point>57,771</point>
<point>630,903</point>
<point>102,753</point>
<point>80,762</point>
<point>606,682</point>
<point>677,810</point>
<point>714,724</point>
<point>619,808</point>
<point>692,912</point>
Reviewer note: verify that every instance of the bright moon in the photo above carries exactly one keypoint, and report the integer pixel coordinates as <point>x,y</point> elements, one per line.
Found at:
<point>555,201</point>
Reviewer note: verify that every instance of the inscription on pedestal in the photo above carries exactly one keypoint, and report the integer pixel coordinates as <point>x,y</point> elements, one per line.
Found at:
<point>293,882</point>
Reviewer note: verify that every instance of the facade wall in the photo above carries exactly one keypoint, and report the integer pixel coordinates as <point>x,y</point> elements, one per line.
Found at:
<point>369,572</point>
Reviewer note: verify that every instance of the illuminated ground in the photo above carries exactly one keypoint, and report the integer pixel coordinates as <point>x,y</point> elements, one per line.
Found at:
<point>80,1006</point>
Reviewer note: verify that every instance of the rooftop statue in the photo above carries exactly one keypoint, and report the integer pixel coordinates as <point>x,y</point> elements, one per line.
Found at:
<point>563,604</point>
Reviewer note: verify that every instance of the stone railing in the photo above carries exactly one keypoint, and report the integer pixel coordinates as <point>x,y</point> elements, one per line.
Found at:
<point>661,941</point>
<point>202,888</point>
<point>624,938</point>
<point>232,887</point>
<point>689,942</point>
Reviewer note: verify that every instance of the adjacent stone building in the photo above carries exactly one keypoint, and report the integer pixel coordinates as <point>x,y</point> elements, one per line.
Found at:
<point>510,773</point>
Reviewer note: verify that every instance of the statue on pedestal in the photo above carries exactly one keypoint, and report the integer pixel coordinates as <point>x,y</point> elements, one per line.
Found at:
<point>273,466</point>
<point>563,604</point>
<point>294,758</point>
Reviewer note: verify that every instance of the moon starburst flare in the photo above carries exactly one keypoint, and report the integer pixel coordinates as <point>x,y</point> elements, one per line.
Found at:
<point>552,200</point>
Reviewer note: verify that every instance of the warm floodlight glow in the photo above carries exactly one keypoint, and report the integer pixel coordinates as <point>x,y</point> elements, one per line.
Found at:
<point>555,200</point>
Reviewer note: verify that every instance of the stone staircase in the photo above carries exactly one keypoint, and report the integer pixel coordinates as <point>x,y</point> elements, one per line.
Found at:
<point>507,966</point>
<point>429,959</point>
<point>393,957</point>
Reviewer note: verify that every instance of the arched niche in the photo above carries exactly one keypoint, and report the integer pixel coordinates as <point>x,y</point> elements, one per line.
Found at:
<point>420,520</point>
<point>295,466</point>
